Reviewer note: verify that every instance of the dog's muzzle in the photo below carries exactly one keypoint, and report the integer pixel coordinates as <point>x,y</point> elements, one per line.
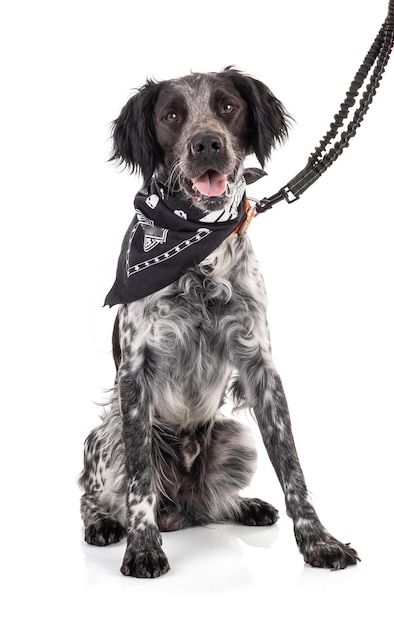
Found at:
<point>210,165</point>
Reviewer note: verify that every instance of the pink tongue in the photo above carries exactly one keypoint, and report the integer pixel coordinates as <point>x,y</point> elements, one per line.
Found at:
<point>211,183</point>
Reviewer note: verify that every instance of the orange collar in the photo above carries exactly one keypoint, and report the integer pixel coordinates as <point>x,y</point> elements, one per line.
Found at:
<point>250,214</point>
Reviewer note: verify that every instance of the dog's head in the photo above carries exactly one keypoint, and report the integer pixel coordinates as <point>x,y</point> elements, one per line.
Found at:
<point>196,131</point>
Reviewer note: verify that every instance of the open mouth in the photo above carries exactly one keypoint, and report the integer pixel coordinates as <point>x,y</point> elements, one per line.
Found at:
<point>210,184</point>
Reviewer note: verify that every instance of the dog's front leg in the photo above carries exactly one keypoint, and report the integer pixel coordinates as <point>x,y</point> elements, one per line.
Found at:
<point>144,557</point>
<point>263,388</point>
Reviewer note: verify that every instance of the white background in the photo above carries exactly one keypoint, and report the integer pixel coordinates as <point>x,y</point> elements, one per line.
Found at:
<point>67,68</point>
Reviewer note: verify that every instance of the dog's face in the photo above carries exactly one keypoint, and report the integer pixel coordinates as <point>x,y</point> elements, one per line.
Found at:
<point>201,125</point>
<point>196,131</point>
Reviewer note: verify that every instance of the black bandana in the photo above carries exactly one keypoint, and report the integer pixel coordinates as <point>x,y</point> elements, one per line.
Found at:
<point>167,235</point>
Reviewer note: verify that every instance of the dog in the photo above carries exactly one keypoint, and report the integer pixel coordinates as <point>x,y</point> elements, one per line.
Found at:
<point>192,331</point>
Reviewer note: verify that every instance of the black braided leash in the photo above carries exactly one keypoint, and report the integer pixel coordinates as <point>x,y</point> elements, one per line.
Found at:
<point>321,159</point>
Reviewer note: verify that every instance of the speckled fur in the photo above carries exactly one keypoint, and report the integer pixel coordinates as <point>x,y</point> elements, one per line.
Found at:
<point>164,457</point>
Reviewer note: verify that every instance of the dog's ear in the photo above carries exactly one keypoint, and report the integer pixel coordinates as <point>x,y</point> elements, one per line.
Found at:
<point>133,134</point>
<point>268,119</point>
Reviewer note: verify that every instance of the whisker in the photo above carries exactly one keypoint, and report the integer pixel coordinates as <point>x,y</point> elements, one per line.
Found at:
<point>173,182</point>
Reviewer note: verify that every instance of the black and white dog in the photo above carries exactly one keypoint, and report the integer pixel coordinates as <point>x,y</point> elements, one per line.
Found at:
<point>191,327</point>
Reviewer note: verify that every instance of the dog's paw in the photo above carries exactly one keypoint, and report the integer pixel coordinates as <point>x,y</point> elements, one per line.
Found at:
<point>255,512</point>
<point>145,563</point>
<point>104,531</point>
<point>330,554</point>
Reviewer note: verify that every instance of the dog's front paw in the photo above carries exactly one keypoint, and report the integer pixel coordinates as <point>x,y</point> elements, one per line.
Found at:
<point>149,563</point>
<point>330,553</point>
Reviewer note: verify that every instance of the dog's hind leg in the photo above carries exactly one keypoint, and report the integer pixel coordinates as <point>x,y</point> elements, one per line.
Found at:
<point>101,526</point>
<point>255,512</point>
<point>218,460</point>
<point>230,464</point>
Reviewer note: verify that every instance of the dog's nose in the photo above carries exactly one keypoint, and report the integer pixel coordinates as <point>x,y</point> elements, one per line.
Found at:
<point>206,144</point>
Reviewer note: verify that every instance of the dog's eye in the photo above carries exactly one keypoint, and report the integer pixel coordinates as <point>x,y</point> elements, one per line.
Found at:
<point>227,108</point>
<point>172,117</point>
